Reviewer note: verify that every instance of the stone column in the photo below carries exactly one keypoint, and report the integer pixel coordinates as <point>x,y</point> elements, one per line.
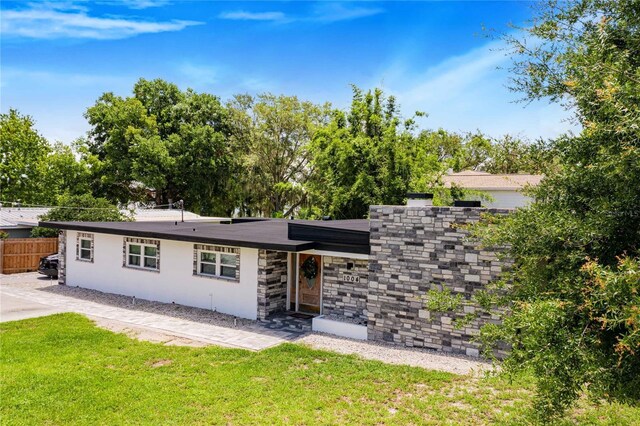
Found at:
<point>62,257</point>
<point>272,282</point>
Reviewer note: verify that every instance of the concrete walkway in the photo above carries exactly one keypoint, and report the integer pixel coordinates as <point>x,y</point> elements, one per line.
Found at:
<point>39,303</point>
<point>15,308</point>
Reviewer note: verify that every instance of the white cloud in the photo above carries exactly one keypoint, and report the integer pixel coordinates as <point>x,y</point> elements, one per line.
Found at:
<point>322,12</point>
<point>469,92</point>
<point>144,4</point>
<point>241,15</point>
<point>334,12</point>
<point>52,22</point>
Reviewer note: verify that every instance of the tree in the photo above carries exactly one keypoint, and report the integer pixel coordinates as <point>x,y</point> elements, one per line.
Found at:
<point>22,150</point>
<point>64,173</point>
<point>274,133</point>
<point>574,292</point>
<point>361,158</point>
<point>512,155</point>
<point>164,140</point>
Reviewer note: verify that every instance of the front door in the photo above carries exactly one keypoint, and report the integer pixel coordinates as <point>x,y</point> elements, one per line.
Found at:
<point>309,282</point>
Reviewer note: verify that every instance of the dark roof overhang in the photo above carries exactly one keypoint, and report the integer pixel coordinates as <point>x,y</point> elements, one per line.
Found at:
<point>280,235</point>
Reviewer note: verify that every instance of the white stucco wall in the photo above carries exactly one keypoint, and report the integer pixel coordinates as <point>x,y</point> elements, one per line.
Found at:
<point>505,199</point>
<point>174,282</point>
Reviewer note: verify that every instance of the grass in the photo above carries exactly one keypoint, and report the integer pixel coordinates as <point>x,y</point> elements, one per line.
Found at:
<point>62,369</point>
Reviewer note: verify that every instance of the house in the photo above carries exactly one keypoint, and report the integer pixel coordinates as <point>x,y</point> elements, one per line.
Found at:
<point>504,189</point>
<point>364,279</point>
<point>18,221</point>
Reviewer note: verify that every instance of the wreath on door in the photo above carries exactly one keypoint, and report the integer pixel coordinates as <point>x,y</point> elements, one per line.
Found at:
<point>309,271</point>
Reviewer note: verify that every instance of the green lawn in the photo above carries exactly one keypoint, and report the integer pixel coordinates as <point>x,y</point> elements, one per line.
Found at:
<point>63,370</point>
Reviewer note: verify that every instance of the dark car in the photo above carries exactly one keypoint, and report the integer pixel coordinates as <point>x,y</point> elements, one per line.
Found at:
<point>49,265</point>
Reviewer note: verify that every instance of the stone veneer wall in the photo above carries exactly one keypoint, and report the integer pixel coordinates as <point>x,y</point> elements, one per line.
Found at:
<point>62,257</point>
<point>413,250</point>
<point>340,297</point>
<point>272,282</point>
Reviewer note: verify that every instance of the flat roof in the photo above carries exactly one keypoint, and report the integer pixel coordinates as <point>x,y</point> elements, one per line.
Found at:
<point>264,234</point>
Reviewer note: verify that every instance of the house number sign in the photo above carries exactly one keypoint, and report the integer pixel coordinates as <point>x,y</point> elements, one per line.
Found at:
<point>350,278</point>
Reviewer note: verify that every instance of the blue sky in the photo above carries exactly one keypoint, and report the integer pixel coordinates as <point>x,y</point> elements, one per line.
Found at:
<point>58,57</point>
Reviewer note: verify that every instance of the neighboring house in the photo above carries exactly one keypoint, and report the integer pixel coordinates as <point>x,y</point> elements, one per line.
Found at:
<point>18,221</point>
<point>505,189</point>
<point>365,279</point>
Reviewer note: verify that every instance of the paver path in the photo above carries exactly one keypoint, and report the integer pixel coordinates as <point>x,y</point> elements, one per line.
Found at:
<point>223,336</point>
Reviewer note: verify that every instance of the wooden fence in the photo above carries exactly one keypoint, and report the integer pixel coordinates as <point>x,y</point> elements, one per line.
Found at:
<point>23,254</point>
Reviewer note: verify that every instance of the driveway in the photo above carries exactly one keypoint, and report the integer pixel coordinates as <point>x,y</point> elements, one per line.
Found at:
<point>16,308</point>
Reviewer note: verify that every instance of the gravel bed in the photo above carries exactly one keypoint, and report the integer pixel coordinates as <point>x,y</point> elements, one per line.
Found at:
<point>415,357</point>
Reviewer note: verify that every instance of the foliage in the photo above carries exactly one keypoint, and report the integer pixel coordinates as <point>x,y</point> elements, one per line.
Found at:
<point>32,170</point>
<point>163,141</point>
<point>574,287</point>
<point>510,155</point>
<point>309,268</point>
<point>361,158</point>
<point>285,384</point>
<point>442,300</point>
<point>274,156</point>
<point>64,173</point>
<point>272,135</point>
<point>4,235</point>
<point>22,150</point>
<point>82,208</point>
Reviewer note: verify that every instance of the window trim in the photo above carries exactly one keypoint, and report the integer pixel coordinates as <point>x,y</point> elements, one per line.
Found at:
<point>218,263</point>
<point>80,237</point>
<point>142,243</point>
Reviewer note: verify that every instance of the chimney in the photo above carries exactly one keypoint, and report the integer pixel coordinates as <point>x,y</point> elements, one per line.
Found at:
<point>419,199</point>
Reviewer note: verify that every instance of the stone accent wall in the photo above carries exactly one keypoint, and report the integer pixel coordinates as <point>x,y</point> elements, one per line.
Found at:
<point>272,282</point>
<point>62,257</point>
<point>413,250</point>
<point>340,294</point>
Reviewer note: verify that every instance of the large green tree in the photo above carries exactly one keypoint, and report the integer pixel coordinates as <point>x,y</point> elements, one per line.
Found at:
<point>32,171</point>
<point>163,140</point>
<point>574,294</point>
<point>22,151</point>
<point>273,133</point>
<point>361,158</point>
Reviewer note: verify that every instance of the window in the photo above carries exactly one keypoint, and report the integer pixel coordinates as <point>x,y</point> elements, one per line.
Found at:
<point>84,247</point>
<point>142,255</point>
<point>86,251</point>
<point>216,264</point>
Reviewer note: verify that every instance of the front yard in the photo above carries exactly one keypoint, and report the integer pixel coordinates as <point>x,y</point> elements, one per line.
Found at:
<point>62,369</point>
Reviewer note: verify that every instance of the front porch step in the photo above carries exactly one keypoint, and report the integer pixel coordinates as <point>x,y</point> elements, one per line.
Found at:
<point>286,322</point>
